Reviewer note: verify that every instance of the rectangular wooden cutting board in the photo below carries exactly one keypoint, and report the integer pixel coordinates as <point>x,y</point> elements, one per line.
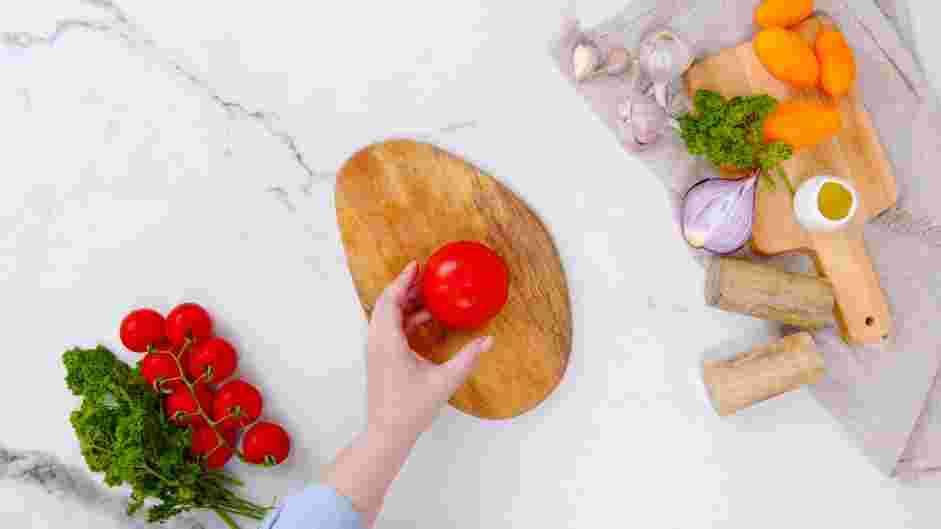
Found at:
<point>855,154</point>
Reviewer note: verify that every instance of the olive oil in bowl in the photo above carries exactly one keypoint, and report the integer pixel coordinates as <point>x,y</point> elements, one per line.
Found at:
<point>825,203</point>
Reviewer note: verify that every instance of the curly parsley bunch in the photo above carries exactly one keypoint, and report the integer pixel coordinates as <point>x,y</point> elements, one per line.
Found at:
<point>729,133</point>
<point>125,435</point>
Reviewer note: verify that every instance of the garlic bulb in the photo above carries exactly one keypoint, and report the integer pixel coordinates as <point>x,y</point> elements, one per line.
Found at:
<point>642,121</point>
<point>585,60</point>
<point>664,56</point>
<point>718,214</point>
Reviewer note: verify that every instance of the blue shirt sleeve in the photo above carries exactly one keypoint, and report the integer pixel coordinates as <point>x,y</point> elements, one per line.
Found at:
<point>316,507</point>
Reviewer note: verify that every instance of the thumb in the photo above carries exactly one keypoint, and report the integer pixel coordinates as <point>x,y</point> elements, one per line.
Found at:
<point>457,369</point>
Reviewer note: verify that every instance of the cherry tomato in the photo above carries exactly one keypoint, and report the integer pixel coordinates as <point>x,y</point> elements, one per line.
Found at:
<point>180,404</point>
<point>465,284</point>
<point>188,320</point>
<point>142,328</point>
<point>157,367</point>
<point>238,402</point>
<point>186,359</point>
<point>206,443</point>
<point>214,355</point>
<point>266,444</point>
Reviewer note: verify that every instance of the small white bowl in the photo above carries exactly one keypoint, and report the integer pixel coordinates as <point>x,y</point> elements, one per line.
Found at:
<point>807,210</point>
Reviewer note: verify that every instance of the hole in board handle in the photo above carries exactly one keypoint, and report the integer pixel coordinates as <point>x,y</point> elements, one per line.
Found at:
<point>869,321</point>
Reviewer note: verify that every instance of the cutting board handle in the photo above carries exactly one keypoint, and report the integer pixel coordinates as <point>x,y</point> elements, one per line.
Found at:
<point>862,308</point>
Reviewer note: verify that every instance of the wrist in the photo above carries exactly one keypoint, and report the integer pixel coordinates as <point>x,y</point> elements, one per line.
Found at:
<point>389,437</point>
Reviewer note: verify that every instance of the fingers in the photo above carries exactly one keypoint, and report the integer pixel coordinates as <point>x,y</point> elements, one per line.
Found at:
<point>416,320</point>
<point>457,369</point>
<point>389,305</point>
<point>413,298</point>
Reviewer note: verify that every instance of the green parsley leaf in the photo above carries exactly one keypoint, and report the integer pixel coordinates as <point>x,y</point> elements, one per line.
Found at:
<point>729,133</point>
<point>124,434</point>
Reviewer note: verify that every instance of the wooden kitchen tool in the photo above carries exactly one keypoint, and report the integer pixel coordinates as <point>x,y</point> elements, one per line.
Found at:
<point>855,155</point>
<point>763,372</point>
<point>767,292</point>
<point>400,200</point>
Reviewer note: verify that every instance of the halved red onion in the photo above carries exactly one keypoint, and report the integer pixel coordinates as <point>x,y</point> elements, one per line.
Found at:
<point>718,214</point>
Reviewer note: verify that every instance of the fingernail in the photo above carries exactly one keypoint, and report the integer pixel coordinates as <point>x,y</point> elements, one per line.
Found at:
<point>408,269</point>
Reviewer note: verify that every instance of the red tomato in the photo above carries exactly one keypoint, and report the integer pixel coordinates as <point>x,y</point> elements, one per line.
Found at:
<point>157,367</point>
<point>238,402</point>
<point>465,284</point>
<point>163,346</point>
<point>188,320</point>
<point>266,444</point>
<point>186,359</point>
<point>206,443</point>
<point>214,355</point>
<point>180,404</point>
<point>142,328</point>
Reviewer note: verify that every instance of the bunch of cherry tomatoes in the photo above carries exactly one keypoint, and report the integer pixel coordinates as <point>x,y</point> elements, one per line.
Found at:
<point>183,361</point>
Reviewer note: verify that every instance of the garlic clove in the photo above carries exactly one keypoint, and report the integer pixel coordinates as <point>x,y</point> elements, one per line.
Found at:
<point>586,58</point>
<point>642,121</point>
<point>618,61</point>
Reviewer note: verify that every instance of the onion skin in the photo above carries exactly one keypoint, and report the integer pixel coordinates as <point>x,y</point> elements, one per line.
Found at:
<point>718,214</point>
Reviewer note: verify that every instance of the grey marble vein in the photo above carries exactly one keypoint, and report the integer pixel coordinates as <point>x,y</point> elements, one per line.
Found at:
<point>307,187</point>
<point>71,484</point>
<point>119,25</point>
<point>283,197</point>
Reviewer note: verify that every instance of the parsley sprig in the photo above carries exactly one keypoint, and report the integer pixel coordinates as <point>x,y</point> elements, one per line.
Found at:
<point>729,133</point>
<point>124,434</point>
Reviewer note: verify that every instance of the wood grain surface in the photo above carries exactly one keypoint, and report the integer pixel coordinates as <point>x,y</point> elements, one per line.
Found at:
<point>856,154</point>
<point>768,292</point>
<point>763,372</point>
<point>400,200</point>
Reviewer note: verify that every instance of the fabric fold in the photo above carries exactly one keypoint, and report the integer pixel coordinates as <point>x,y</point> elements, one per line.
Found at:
<point>885,396</point>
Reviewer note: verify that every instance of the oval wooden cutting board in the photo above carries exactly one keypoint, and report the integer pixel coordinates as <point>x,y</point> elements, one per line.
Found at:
<point>400,200</point>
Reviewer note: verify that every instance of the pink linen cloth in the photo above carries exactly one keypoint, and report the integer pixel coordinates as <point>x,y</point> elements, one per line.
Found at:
<point>886,396</point>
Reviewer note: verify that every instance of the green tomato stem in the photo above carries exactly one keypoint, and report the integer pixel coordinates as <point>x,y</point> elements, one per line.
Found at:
<point>191,386</point>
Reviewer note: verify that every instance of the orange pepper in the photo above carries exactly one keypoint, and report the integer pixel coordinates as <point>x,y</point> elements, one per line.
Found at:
<point>802,124</point>
<point>783,13</point>
<point>788,57</point>
<point>837,63</point>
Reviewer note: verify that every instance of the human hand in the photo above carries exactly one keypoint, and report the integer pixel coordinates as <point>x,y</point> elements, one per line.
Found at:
<point>405,392</point>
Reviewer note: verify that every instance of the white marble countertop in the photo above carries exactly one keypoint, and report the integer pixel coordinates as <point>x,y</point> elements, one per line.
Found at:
<point>156,152</point>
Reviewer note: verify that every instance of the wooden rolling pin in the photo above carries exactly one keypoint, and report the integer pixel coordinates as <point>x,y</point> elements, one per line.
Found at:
<point>767,292</point>
<point>766,371</point>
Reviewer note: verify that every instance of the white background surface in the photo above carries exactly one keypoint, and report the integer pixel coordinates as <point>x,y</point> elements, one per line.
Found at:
<point>126,182</point>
